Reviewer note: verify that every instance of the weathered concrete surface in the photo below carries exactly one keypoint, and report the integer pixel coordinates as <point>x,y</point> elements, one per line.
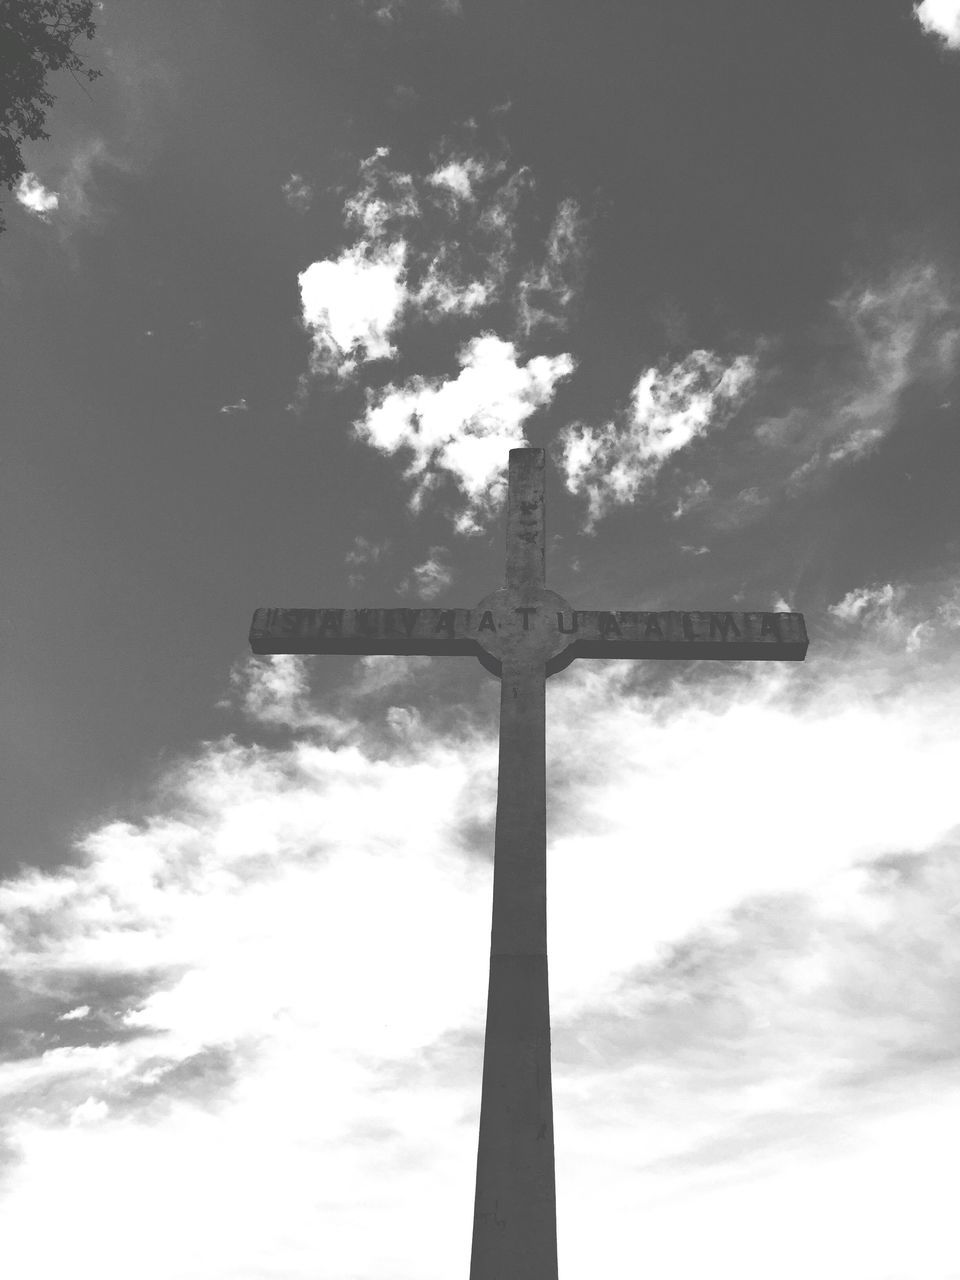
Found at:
<point>526,520</point>
<point>515,1227</point>
<point>515,1206</point>
<point>562,632</point>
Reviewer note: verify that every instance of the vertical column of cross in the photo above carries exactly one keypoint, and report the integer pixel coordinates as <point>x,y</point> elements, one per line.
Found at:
<point>526,528</point>
<point>515,1215</point>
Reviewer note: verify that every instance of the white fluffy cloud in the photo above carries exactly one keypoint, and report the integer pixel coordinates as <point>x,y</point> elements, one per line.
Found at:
<point>460,174</point>
<point>427,248</point>
<point>862,600</point>
<point>463,427</point>
<point>81,1011</point>
<point>359,306</point>
<point>33,195</point>
<point>669,408</point>
<point>894,612</point>
<point>940,18</point>
<point>351,305</point>
<point>743,1016</point>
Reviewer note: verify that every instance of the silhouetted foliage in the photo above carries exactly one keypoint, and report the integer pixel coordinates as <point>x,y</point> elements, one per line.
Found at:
<point>36,37</point>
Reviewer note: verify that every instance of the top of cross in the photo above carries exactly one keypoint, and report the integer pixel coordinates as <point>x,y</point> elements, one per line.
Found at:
<point>526,529</point>
<point>525,622</point>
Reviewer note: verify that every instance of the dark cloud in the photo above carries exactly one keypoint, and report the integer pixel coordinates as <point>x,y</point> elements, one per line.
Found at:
<point>202,1079</point>
<point>60,1077</point>
<point>33,1006</point>
<point>453,1061</point>
<point>787,992</point>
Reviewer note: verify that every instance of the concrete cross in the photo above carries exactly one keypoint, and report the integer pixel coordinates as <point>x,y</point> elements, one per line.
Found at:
<point>523,633</point>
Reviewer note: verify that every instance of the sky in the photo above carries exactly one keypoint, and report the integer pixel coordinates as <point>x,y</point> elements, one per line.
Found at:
<point>280,292</point>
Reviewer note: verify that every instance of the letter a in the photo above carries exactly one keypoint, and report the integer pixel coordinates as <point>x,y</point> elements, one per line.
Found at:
<point>486,622</point>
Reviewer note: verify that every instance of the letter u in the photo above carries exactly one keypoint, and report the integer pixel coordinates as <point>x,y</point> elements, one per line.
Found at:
<point>575,623</point>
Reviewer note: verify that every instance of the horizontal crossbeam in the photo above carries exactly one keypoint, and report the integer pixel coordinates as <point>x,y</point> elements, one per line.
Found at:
<point>725,635</point>
<point>441,632</point>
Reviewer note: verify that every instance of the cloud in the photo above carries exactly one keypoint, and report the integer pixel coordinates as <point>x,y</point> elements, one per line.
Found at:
<point>33,195</point>
<point>351,304</point>
<point>463,427</point>
<point>719,1006</point>
<point>431,577</point>
<point>385,198</point>
<point>862,600</point>
<point>897,614</point>
<point>545,293</point>
<point>84,161</point>
<point>940,18</point>
<point>158,895</point>
<point>907,329</point>
<point>459,175</point>
<point>241,406</point>
<point>388,11</point>
<point>427,248</point>
<point>277,693</point>
<point>441,294</point>
<point>693,495</point>
<point>815,401</point>
<point>81,1011</point>
<point>669,408</point>
<point>364,552</point>
<point>883,337</point>
<point>81,189</point>
<point>747,1010</point>
<point>297,192</point>
<point>467,268</point>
